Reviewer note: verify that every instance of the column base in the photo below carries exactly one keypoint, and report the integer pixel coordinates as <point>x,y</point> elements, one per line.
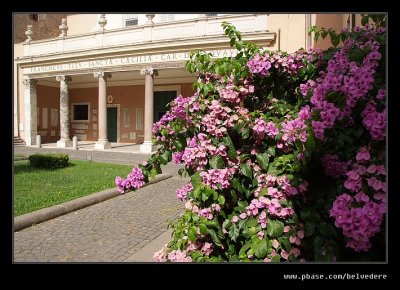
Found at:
<point>101,145</point>
<point>147,147</point>
<point>64,143</point>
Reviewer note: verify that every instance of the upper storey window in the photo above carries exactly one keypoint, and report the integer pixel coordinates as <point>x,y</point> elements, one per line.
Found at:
<point>34,17</point>
<point>166,17</point>
<point>130,20</point>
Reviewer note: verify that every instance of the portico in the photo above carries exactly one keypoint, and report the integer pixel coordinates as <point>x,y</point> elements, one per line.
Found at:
<point>101,86</point>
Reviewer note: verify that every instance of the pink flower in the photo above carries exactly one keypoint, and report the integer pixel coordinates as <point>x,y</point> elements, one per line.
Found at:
<point>284,254</point>
<point>363,155</point>
<point>275,244</point>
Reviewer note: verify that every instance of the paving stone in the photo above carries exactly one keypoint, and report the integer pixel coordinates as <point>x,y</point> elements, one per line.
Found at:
<point>109,231</point>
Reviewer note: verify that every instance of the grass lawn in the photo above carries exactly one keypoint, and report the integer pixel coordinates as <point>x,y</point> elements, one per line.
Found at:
<point>39,188</point>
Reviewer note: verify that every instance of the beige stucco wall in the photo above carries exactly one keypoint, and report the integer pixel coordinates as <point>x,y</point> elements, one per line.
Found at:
<point>292,31</point>
<point>81,23</point>
<point>334,21</point>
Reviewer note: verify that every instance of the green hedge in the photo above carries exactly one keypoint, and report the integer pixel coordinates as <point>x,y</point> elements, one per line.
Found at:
<point>50,161</point>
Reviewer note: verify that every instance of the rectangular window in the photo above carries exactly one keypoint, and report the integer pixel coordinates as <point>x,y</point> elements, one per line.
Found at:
<point>131,22</point>
<point>127,117</point>
<point>33,17</point>
<point>166,17</point>
<point>80,112</point>
<point>211,14</point>
<point>139,118</point>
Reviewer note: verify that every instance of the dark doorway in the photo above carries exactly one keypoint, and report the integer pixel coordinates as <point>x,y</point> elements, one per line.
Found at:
<point>112,118</point>
<point>161,99</point>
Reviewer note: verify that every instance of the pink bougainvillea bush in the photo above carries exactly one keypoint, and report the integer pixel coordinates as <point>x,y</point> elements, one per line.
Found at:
<point>285,154</point>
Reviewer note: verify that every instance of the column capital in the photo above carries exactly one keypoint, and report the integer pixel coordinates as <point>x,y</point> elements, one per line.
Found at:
<point>63,78</point>
<point>102,74</point>
<point>30,82</point>
<point>149,71</point>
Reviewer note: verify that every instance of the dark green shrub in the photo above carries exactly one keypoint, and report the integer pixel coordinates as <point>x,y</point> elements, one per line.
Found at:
<point>49,161</point>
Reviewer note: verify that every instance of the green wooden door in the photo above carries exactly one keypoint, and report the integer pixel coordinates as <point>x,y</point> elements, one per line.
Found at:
<point>112,124</point>
<point>161,99</point>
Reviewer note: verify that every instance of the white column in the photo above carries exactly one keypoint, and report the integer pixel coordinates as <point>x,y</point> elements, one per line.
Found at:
<point>102,142</point>
<point>65,116</point>
<point>149,72</point>
<point>30,100</point>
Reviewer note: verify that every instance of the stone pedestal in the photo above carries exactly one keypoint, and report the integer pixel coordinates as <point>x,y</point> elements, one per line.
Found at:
<point>38,141</point>
<point>75,143</point>
<point>147,147</point>
<point>101,145</point>
<point>64,143</point>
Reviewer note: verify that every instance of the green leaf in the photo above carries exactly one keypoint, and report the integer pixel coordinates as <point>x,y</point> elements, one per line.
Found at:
<point>203,229</point>
<point>358,132</point>
<point>232,42</point>
<point>214,237</point>
<point>263,160</point>
<point>271,151</point>
<point>196,179</point>
<point>231,148</point>
<point>234,232</point>
<point>318,243</point>
<point>325,230</point>
<point>242,252</point>
<point>226,223</point>
<point>251,222</point>
<point>324,34</point>
<point>263,192</point>
<point>197,191</point>
<point>234,195</point>
<point>217,162</point>
<point>221,199</point>
<point>246,170</point>
<point>310,68</point>
<point>276,258</point>
<point>285,241</point>
<point>309,229</point>
<point>239,45</point>
<point>364,20</point>
<point>335,41</point>
<point>310,143</point>
<point>306,214</point>
<point>260,249</point>
<point>246,132</point>
<point>165,157</point>
<point>192,234</point>
<point>152,173</point>
<point>316,36</point>
<point>178,145</point>
<point>274,228</point>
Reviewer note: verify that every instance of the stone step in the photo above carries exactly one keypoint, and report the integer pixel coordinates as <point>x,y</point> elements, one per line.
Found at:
<point>18,142</point>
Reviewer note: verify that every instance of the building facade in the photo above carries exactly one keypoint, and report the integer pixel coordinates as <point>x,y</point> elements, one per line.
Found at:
<point>108,77</point>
